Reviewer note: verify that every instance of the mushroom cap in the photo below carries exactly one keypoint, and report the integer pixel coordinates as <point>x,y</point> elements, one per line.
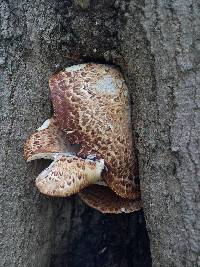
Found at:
<point>47,141</point>
<point>105,200</point>
<point>91,104</point>
<point>67,175</point>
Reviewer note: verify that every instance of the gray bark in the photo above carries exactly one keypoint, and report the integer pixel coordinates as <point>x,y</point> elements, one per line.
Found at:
<point>156,45</point>
<point>168,127</point>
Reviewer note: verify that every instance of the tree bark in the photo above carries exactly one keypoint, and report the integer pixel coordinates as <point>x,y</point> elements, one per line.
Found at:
<point>156,45</point>
<point>167,122</point>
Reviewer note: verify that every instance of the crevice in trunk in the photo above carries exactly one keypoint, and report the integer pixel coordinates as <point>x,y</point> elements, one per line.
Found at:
<point>99,240</point>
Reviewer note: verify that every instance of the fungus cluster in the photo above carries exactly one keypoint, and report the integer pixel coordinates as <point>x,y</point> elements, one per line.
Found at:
<point>89,139</point>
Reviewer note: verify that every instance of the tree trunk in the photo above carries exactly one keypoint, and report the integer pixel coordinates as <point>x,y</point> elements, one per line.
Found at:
<point>167,99</point>
<point>156,45</point>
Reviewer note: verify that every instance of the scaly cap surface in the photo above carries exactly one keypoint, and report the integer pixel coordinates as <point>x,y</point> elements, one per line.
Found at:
<point>67,175</point>
<point>91,101</point>
<point>47,140</point>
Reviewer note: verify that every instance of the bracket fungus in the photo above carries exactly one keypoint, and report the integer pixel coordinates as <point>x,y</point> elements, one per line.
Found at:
<point>89,139</point>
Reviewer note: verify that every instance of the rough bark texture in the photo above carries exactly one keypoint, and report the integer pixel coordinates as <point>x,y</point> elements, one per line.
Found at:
<point>156,44</point>
<point>169,158</point>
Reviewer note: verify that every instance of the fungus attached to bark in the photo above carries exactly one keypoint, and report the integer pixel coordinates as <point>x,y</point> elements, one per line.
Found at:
<point>91,110</point>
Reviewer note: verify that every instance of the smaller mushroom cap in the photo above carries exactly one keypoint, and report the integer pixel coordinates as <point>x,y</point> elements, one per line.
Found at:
<point>105,200</point>
<point>67,175</point>
<point>47,141</point>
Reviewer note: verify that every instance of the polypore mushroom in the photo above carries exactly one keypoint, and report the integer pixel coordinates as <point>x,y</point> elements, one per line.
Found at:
<point>91,109</point>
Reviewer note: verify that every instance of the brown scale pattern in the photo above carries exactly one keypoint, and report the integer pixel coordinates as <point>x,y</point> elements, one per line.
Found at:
<point>106,201</point>
<point>68,175</point>
<point>99,120</point>
<point>47,141</point>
